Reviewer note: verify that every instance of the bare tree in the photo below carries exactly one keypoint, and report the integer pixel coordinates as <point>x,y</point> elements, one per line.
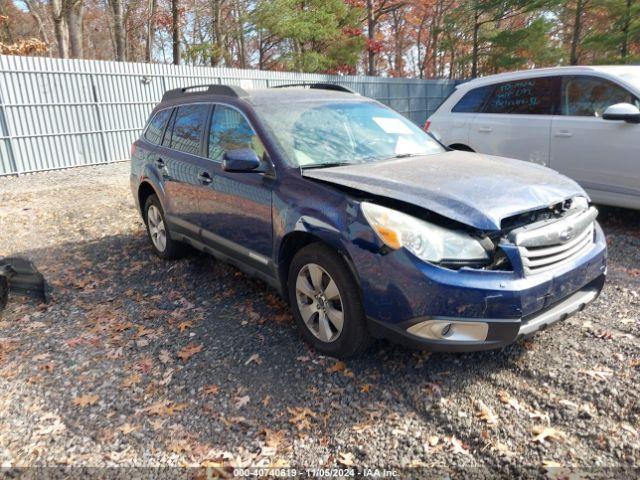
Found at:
<point>74,14</point>
<point>175,31</point>
<point>57,8</point>
<point>151,30</point>
<point>118,28</point>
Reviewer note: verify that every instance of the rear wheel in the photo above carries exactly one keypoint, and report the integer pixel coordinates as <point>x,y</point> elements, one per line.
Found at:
<point>326,302</point>
<point>159,235</point>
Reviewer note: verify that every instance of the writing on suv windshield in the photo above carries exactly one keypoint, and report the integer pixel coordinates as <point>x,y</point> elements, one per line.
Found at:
<point>316,134</point>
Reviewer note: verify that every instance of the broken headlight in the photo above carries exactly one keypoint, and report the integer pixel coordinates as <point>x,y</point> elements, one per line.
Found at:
<point>425,240</point>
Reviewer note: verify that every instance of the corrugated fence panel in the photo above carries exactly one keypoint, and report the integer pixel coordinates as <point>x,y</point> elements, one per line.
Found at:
<point>62,113</point>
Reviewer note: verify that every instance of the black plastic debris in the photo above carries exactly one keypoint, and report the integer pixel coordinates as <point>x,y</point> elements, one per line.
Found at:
<point>21,277</point>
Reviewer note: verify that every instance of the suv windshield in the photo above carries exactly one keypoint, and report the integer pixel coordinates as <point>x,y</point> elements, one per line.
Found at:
<point>338,133</point>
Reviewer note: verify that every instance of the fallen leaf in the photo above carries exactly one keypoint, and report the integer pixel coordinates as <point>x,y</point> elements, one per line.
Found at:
<point>131,380</point>
<point>185,326</point>
<point>85,400</point>
<point>346,459</point>
<point>127,428</point>
<point>366,388</point>
<point>542,433</point>
<point>339,366</point>
<point>189,351</point>
<point>507,399</point>
<point>255,358</point>
<point>241,401</point>
<point>210,390</point>
<point>165,356</point>
<point>597,374</point>
<point>266,400</point>
<point>164,408</point>
<point>301,417</point>
<point>484,413</point>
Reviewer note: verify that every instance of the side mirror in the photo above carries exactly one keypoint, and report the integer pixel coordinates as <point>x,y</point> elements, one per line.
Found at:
<point>622,111</point>
<point>240,160</point>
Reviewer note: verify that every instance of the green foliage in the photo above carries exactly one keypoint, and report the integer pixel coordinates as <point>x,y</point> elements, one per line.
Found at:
<point>324,34</point>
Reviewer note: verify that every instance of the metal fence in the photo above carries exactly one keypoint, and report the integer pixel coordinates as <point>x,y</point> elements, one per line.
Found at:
<point>63,113</point>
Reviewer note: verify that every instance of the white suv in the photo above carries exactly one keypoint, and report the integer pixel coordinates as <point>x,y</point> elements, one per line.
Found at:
<point>582,121</point>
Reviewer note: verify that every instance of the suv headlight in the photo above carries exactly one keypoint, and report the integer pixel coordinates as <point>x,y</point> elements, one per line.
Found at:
<point>425,240</point>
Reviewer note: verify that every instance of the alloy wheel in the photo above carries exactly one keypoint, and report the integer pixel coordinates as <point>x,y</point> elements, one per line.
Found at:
<point>157,229</point>
<point>319,302</point>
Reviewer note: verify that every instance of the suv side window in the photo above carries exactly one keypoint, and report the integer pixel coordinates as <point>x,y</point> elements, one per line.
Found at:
<point>473,100</point>
<point>188,127</point>
<point>230,130</point>
<point>587,96</point>
<point>531,96</point>
<point>156,126</point>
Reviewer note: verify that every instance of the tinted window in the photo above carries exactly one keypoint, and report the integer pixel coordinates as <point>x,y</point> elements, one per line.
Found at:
<point>590,96</point>
<point>231,131</point>
<point>473,100</point>
<point>156,126</point>
<point>187,128</point>
<point>533,96</point>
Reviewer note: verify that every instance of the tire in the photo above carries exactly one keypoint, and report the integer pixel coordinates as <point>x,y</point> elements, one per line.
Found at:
<point>325,334</point>
<point>155,222</point>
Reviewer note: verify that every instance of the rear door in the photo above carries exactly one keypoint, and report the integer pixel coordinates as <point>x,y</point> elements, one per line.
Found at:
<point>179,159</point>
<point>516,120</point>
<point>602,155</point>
<point>236,207</point>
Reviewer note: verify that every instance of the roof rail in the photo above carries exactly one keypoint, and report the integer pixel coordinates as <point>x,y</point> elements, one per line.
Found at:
<point>320,86</point>
<point>226,90</point>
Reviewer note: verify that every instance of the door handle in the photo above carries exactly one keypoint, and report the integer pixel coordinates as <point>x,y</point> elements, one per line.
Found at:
<point>485,129</point>
<point>563,134</point>
<point>205,177</point>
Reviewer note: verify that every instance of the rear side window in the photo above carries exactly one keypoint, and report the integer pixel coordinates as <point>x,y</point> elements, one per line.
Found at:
<point>156,126</point>
<point>188,127</point>
<point>473,100</point>
<point>231,131</point>
<point>586,96</point>
<point>533,96</point>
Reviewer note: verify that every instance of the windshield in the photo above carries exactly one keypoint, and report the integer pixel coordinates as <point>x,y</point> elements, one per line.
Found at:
<point>328,133</point>
<point>632,77</point>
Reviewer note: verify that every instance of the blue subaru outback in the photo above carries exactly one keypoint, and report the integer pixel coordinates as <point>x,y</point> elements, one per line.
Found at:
<point>363,222</point>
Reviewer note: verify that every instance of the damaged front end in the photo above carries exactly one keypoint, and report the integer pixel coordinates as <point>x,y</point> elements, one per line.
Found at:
<point>21,277</point>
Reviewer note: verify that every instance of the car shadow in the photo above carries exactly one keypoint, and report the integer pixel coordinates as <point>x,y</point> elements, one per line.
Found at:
<point>136,330</point>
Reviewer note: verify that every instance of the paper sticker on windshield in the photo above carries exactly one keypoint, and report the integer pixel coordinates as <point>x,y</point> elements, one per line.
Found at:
<point>392,125</point>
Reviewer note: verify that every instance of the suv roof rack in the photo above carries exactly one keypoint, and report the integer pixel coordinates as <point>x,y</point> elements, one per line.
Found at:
<point>226,90</point>
<point>320,86</point>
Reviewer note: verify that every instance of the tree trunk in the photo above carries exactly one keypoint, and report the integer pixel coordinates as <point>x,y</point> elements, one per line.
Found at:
<point>474,54</point>
<point>371,35</point>
<point>118,29</point>
<point>36,16</point>
<point>59,27</point>
<point>577,27</point>
<point>624,49</point>
<point>74,14</point>
<point>151,30</point>
<point>175,31</point>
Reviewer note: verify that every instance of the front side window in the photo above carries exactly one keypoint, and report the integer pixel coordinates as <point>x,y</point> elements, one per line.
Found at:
<point>327,132</point>
<point>473,100</point>
<point>533,96</point>
<point>230,130</point>
<point>156,126</point>
<point>585,96</point>
<point>188,127</point>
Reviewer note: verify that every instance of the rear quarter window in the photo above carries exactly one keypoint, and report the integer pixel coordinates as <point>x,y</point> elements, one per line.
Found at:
<point>473,100</point>
<point>153,133</point>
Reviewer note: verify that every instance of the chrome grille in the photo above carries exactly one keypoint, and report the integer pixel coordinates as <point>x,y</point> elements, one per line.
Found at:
<point>547,247</point>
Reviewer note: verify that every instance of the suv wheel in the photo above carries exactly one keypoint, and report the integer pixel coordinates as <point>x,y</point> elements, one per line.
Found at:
<point>159,235</point>
<point>326,302</point>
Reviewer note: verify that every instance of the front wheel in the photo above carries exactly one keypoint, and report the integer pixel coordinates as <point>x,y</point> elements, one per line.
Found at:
<point>326,303</point>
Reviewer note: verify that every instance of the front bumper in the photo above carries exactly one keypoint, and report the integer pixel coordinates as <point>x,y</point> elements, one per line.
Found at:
<point>499,332</point>
<point>400,293</point>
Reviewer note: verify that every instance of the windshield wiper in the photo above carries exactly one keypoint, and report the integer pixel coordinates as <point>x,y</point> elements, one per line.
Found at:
<point>325,165</point>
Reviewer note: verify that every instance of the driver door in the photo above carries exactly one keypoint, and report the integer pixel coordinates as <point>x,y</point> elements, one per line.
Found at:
<point>602,155</point>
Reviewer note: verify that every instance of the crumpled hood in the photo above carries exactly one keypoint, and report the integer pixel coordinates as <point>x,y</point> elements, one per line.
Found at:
<point>474,189</point>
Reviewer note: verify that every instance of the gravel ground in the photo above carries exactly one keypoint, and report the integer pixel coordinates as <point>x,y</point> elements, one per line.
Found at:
<point>141,362</point>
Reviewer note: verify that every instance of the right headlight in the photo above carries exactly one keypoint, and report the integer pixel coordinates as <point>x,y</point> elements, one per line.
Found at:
<point>425,240</point>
